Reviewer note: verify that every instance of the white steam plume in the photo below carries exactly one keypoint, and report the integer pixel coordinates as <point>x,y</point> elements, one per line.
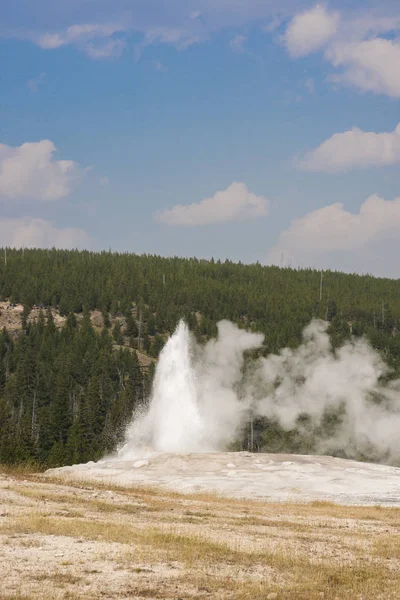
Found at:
<point>202,395</point>
<point>313,380</point>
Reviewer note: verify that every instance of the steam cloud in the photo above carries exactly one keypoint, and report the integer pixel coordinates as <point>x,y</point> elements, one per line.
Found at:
<point>203,395</point>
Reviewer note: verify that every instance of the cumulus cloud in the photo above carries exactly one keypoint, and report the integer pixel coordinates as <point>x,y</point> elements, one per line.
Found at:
<point>233,204</point>
<point>30,172</point>
<point>93,38</point>
<point>310,30</point>
<point>332,229</point>
<point>371,65</point>
<point>354,45</point>
<point>353,149</point>
<point>27,232</point>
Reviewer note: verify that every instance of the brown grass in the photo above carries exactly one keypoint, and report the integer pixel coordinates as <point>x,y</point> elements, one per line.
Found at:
<point>166,545</point>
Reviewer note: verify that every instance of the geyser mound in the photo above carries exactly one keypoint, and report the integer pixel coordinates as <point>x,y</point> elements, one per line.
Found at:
<point>270,477</point>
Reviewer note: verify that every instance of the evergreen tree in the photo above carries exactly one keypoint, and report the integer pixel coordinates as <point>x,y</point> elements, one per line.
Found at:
<point>106,317</point>
<point>117,333</point>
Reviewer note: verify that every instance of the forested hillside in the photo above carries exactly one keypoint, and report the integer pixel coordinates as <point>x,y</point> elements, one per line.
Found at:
<point>66,392</point>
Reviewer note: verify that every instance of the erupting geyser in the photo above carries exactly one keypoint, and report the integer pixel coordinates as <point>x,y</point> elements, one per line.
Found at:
<point>174,412</point>
<point>194,405</point>
<point>173,422</point>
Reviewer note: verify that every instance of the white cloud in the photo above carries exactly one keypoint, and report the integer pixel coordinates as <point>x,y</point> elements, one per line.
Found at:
<point>95,39</point>
<point>50,41</point>
<point>272,24</point>
<point>237,43</point>
<point>310,85</point>
<point>332,230</point>
<point>29,172</point>
<point>112,48</point>
<point>233,204</point>
<point>33,84</point>
<point>353,43</point>
<point>37,233</point>
<point>371,65</point>
<point>178,37</point>
<point>55,24</point>
<point>353,40</point>
<point>354,149</point>
<point>160,67</point>
<point>310,30</point>
<point>168,35</point>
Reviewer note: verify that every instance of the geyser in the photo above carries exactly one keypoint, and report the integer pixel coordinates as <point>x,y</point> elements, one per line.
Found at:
<point>194,405</point>
<point>173,422</point>
<point>202,395</point>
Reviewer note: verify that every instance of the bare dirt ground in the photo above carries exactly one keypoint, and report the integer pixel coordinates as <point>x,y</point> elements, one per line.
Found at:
<point>86,540</point>
<point>11,315</point>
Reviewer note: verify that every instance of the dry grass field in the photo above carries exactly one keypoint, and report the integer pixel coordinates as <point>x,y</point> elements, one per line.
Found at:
<point>85,541</point>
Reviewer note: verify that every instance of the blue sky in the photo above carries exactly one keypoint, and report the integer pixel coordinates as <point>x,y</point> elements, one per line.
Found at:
<point>210,128</point>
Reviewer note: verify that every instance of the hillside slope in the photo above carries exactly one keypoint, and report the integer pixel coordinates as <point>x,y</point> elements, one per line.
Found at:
<point>81,332</point>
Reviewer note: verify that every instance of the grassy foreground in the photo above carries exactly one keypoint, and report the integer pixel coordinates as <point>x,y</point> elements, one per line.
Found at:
<point>75,541</point>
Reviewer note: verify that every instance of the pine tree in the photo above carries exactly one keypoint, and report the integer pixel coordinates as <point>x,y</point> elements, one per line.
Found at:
<point>106,317</point>
<point>117,333</point>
